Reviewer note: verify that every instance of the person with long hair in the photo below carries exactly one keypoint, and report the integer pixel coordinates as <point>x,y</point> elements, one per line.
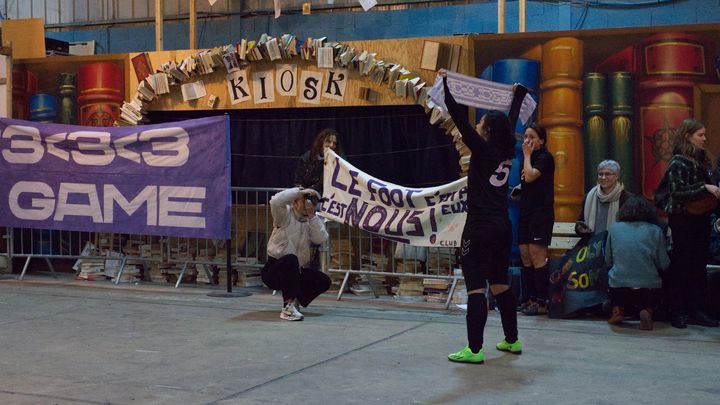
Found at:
<point>636,252</point>
<point>536,218</point>
<point>487,235</point>
<point>687,182</point>
<point>309,170</point>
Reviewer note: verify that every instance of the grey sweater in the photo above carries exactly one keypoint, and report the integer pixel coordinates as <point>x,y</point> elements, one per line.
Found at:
<point>636,251</point>
<point>293,234</point>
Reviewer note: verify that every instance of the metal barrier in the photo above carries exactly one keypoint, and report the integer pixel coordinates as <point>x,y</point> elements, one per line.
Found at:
<point>349,251</point>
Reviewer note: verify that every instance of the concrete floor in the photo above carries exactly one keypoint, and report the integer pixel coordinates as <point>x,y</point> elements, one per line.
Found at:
<point>70,342</point>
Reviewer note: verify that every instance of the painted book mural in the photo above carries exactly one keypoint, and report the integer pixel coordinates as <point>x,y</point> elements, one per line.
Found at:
<point>608,94</point>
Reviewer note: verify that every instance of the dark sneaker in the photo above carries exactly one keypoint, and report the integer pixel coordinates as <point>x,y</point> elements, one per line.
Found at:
<point>699,318</point>
<point>535,309</point>
<point>524,305</point>
<point>679,321</point>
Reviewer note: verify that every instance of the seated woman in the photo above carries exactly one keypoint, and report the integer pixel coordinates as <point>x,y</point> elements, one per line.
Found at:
<point>637,251</point>
<point>602,202</point>
<point>295,229</point>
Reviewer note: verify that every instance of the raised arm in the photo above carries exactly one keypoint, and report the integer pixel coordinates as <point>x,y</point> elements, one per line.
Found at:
<point>519,92</point>
<point>279,205</point>
<point>470,137</point>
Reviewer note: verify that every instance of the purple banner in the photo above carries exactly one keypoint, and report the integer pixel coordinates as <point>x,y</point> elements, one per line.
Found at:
<point>168,179</point>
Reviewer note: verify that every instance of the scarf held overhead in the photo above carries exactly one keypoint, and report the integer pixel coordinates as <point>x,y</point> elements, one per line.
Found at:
<point>479,93</point>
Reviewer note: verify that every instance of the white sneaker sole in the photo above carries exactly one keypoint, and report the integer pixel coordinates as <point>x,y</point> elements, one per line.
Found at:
<point>290,318</point>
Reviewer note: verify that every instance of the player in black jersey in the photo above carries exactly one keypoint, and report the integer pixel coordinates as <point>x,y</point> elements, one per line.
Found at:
<point>536,218</point>
<point>487,236</point>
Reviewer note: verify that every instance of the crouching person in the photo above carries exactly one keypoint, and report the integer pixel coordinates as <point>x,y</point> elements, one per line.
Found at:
<point>296,229</point>
<point>637,252</point>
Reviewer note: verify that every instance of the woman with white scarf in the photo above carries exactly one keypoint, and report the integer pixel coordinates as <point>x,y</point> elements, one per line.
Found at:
<point>602,202</point>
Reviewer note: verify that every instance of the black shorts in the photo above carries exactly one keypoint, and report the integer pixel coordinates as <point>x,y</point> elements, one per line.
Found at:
<point>485,252</point>
<point>536,228</point>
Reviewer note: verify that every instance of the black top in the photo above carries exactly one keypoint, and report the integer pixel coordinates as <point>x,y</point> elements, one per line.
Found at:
<point>309,173</point>
<point>489,171</point>
<point>538,195</point>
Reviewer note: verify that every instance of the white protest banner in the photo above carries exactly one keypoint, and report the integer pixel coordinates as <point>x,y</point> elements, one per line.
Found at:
<point>433,216</point>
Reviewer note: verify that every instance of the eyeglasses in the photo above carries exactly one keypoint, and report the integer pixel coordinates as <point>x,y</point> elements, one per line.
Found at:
<point>605,174</point>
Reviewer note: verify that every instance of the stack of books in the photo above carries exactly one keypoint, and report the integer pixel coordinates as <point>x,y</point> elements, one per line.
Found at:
<point>249,277</point>
<point>436,290</point>
<point>441,260</point>
<point>112,267</point>
<point>155,273</point>
<point>91,270</point>
<point>131,273</point>
<point>202,275</point>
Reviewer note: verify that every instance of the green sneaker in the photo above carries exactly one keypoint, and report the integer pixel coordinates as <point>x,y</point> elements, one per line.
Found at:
<point>467,356</point>
<point>514,348</point>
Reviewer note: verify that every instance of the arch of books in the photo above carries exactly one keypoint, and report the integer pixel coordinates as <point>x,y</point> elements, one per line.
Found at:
<point>334,60</point>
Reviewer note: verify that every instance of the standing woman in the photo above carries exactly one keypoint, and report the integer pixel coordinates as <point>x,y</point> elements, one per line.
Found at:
<point>536,217</point>
<point>688,182</point>
<point>309,170</point>
<point>487,235</point>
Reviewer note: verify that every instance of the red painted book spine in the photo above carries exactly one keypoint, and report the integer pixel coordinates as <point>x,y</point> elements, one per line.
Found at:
<point>667,67</point>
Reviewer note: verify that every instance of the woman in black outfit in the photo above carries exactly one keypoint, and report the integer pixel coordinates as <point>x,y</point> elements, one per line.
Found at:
<point>487,236</point>
<point>309,170</point>
<point>536,218</point>
<point>688,181</point>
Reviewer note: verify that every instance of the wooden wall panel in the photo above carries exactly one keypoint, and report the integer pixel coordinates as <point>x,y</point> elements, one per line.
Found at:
<point>404,51</point>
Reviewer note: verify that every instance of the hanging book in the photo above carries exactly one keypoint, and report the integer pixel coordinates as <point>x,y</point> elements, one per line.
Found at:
<point>325,57</point>
<point>193,91</point>
<point>142,66</point>
<point>437,55</point>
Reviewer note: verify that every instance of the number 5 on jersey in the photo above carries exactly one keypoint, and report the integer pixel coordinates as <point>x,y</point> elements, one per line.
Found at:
<point>501,174</point>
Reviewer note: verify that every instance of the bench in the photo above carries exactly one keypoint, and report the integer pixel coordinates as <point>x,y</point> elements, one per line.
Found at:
<point>563,237</point>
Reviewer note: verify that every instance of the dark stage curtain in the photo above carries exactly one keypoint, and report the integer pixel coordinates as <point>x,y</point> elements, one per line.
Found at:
<point>392,143</point>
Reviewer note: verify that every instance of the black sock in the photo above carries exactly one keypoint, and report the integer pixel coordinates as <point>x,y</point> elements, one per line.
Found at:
<point>527,280</point>
<point>475,319</point>
<point>508,315</point>
<point>542,279</point>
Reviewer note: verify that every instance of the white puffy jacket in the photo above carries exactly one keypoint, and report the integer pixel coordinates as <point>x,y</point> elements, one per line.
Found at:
<point>292,233</point>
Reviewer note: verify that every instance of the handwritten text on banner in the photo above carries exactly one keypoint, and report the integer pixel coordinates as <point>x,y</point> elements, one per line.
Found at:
<point>431,216</point>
